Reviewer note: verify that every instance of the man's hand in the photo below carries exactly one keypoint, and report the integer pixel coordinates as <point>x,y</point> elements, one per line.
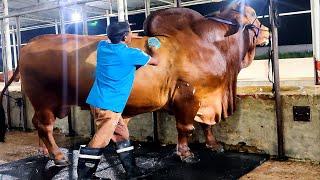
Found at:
<point>154,42</point>
<point>153,50</point>
<point>155,56</point>
<point>153,61</point>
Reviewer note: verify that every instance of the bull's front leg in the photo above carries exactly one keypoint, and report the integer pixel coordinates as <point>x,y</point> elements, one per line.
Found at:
<point>185,107</point>
<point>211,141</point>
<point>185,130</point>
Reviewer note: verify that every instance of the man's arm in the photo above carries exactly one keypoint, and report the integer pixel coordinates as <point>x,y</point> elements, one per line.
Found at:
<point>154,61</point>
<point>140,58</point>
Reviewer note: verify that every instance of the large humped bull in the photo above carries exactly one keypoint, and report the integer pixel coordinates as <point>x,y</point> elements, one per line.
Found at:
<point>195,80</point>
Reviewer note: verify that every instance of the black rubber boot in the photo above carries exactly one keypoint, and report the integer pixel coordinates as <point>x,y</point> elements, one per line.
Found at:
<point>125,152</point>
<point>88,162</point>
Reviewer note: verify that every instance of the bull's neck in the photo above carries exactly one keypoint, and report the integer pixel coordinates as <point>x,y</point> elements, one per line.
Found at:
<point>239,47</point>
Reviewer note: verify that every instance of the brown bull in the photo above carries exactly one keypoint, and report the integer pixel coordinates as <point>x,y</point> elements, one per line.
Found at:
<point>195,80</point>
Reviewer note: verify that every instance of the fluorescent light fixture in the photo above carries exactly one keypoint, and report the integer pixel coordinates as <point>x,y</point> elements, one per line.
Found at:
<point>76,16</point>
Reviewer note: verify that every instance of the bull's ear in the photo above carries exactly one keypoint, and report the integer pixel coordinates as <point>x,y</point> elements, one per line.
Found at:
<point>238,5</point>
<point>231,31</point>
<point>224,5</point>
<point>232,4</point>
<point>215,13</point>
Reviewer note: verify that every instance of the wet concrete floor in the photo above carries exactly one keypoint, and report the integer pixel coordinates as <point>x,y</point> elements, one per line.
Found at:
<point>160,161</point>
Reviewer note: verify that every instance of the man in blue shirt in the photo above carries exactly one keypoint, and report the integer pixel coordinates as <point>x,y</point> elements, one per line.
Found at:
<point>115,72</point>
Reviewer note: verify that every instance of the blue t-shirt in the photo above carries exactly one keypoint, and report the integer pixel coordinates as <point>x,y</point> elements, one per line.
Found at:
<point>115,71</point>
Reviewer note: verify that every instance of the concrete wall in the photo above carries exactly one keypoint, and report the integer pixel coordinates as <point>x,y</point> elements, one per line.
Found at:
<point>293,72</point>
<point>253,124</point>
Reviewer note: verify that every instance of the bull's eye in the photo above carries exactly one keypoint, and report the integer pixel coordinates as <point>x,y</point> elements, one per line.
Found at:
<point>253,14</point>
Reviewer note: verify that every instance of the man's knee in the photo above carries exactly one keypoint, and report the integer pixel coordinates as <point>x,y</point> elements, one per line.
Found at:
<point>102,117</point>
<point>121,132</point>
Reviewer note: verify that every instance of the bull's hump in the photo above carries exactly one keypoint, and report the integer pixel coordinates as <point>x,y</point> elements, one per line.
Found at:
<point>180,18</point>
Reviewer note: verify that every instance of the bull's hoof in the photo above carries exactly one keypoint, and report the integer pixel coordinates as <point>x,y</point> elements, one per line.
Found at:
<point>218,148</point>
<point>191,159</point>
<point>61,163</point>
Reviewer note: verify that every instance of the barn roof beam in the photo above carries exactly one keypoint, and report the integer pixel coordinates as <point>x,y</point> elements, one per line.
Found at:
<point>95,10</point>
<point>38,19</point>
<point>115,14</point>
<point>166,1</point>
<point>288,13</point>
<point>45,7</point>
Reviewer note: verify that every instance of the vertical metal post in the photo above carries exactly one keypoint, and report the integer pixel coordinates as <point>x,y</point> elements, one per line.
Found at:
<point>5,70</point>
<point>154,115</point>
<point>177,3</point>
<point>121,17</point>
<point>315,19</point>
<point>147,7</point>
<point>275,66</point>
<point>92,124</point>
<point>24,98</point>
<point>62,25</point>
<point>18,35</point>
<point>126,15</point>
<point>6,27</point>
<point>56,27</point>
<point>84,20</point>
<point>110,7</point>
<point>63,31</point>
<point>85,32</point>
<point>14,45</point>
<point>108,17</point>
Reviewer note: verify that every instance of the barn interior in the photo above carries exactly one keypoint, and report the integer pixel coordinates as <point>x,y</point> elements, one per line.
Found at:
<point>275,132</point>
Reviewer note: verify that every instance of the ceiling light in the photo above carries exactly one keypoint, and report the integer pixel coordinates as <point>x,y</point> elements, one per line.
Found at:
<point>76,17</point>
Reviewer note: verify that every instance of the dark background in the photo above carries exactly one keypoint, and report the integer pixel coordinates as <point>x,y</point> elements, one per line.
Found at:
<point>295,29</point>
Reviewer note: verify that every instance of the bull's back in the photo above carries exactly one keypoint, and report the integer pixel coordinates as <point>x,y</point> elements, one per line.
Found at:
<point>54,68</point>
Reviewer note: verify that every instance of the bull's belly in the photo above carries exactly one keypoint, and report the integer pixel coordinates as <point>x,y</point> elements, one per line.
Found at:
<point>143,103</point>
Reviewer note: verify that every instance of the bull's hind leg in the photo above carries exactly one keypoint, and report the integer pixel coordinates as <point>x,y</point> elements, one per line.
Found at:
<point>45,122</point>
<point>185,107</point>
<point>42,148</point>
<point>211,141</point>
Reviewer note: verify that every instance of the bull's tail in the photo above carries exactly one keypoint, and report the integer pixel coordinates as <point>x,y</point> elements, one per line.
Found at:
<point>3,127</point>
